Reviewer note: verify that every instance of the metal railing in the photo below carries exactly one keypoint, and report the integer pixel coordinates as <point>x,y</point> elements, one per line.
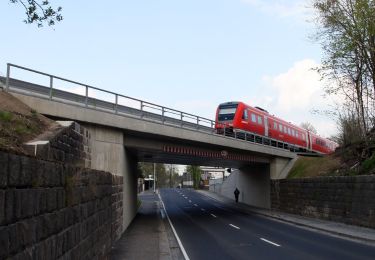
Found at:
<point>144,110</point>
<point>165,114</point>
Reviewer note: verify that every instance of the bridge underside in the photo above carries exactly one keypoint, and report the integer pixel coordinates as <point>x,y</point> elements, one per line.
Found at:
<point>149,149</point>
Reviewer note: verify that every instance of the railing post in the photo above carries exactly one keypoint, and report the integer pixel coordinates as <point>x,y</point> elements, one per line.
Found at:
<point>182,118</point>
<point>87,96</point>
<point>7,79</point>
<point>116,105</point>
<point>162,114</point>
<point>50,87</point>
<point>142,109</point>
<point>197,122</point>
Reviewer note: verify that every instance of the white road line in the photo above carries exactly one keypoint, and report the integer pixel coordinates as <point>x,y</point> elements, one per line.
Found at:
<point>196,205</point>
<point>213,215</point>
<point>190,201</point>
<point>270,242</point>
<point>234,226</point>
<point>174,232</point>
<point>203,209</point>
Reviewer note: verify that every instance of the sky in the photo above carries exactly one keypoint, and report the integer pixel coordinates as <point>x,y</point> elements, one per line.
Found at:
<point>190,55</point>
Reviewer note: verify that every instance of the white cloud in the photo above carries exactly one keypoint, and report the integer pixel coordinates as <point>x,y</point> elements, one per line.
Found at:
<point>281,8</point>
<point>299,87</point>
<point>295,93</point>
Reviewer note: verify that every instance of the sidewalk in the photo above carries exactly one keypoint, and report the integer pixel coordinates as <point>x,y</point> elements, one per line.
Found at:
<point>355,233</point>
<point>149,236</point>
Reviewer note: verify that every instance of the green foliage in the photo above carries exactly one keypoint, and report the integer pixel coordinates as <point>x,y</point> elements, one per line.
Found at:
<point>347,35</point>
<point>6,116</point>
<point>368,165</point>
<point>196,173</point>
<point>164,177</point>
<point>139,203</point>
<point>40,12</point>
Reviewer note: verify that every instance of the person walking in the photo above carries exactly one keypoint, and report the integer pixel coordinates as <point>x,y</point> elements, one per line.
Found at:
<point>236,194</point>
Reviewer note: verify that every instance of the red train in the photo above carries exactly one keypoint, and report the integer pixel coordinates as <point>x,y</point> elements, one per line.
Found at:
<point>256,124</point>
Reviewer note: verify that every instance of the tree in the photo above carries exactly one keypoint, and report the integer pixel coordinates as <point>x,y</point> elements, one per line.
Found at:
<point>347,34</point>
<point>40,12</point>
<point>196,173</point>
<point>164,177</point>
<point>309,127</point>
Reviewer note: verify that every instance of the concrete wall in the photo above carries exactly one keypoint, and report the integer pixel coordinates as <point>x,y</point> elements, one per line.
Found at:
<point>253,183</point>
<point>50,210</point>
<point>344,199</point>
<point>109,154</point>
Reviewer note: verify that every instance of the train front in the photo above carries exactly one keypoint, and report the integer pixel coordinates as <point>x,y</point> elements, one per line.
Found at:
<point>225,117</point>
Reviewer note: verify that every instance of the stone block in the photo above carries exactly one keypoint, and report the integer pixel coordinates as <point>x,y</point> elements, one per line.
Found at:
<point>26,232</point>
<point>28,166</point>
<point>2,207</point>
<point>14,170</point>
<point>9,206</point>
<point>14,242</point>
<point>51,200</point>
<point>4,242</point>
<point>4,169</point>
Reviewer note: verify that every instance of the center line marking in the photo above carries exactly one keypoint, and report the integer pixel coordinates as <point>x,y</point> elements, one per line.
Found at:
<point>270,242</point>
<point>213,215</point>
<point>234,226</point>
<point>196,205</point>
<point>203,209</point>
<point>190,201</point>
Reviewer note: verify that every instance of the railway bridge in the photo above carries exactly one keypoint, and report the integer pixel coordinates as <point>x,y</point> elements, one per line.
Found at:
<point>126,130</point>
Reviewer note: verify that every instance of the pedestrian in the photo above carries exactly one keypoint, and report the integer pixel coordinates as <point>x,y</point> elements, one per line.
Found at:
<point>236,194</point>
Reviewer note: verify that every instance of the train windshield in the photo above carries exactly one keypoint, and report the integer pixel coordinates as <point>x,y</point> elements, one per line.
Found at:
<point>227,112</point>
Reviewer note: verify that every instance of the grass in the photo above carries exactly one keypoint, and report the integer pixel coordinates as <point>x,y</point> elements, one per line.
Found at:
<point>314,166</point>
<point>139,203</point>
<point>368,164</point>
<point>6,116</point>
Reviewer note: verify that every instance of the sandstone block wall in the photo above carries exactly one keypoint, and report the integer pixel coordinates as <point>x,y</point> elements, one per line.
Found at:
<point>349,199</point>
<point>52,211</point>
<point>69,144</point>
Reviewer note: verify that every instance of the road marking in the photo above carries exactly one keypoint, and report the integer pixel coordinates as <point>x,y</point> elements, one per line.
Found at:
<point>270,242</point>
<point>203,209</point>
<point>234,226</point>
<point>196,205</point>
<point>190,201</point>
<point>213,215</point>
<point>174,232</point>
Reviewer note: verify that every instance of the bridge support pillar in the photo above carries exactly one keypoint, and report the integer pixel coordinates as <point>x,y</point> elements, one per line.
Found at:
<point>280,167</point>
<point>109,154</point>
<point>254,184</point>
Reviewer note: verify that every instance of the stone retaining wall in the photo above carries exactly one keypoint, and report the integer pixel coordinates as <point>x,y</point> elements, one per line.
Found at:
<point>349,200</point>
<point>52,211</point>
<point>69,143</point>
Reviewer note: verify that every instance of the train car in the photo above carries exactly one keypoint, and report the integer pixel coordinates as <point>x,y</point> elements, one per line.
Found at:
<point>234,117</point>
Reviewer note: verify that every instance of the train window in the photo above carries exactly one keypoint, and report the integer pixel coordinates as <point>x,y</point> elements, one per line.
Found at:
<point>297,134</point>
<point>293,133</point>
<point>244,115</point>
<point>289,133</point>
<point>275,125</point>
<point>253,118</point>
<point>285,130</point>
<point>227,112</point>
<point>280,128</point>
<point>259,120</point>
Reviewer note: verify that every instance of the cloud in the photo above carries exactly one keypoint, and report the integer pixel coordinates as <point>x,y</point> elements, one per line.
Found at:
<point>281,8</point>
<point>299,91</point>
<point>299,87</point>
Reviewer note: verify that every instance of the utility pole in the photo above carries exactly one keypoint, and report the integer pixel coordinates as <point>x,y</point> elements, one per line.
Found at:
<point>154,179</point>
<point>170,176</point>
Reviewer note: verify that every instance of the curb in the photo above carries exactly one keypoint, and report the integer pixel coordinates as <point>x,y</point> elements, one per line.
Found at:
<point>297,223</point>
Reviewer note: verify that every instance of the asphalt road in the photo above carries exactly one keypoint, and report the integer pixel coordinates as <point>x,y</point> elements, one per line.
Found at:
<point>209,229</point>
